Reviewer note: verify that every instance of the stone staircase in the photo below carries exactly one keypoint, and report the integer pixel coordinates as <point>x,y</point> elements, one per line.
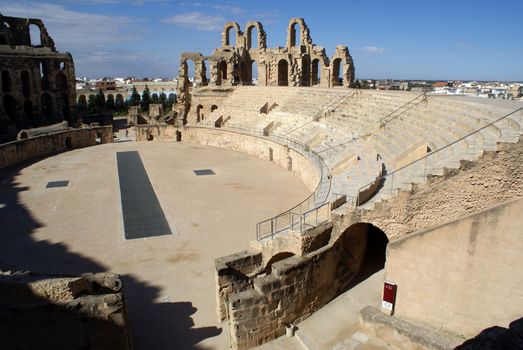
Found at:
<point>364,134</point>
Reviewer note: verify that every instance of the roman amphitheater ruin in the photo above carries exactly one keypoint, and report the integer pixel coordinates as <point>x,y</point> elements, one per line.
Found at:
<point>298,213</point>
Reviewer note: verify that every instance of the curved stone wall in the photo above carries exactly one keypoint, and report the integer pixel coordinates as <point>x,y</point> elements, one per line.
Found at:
<point>261,147</point>
<point>22,150</point>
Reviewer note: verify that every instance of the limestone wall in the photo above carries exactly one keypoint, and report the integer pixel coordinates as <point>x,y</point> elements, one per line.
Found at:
<point>54,312</point>
<point>21,150</point>
<point>279,292</point>
<point>495,178</point>
<point>263,148</point>
<point>463,276</point>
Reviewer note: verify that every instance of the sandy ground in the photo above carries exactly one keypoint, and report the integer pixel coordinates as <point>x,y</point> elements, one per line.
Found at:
<point>169,280</point>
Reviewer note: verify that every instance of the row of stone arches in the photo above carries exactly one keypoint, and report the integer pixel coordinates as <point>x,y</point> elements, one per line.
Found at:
<point>23,116</point>
<point>311,72</point>
<point>60,82</point>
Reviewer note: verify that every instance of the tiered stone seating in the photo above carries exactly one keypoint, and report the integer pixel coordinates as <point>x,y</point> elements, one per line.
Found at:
<point>354,127</point>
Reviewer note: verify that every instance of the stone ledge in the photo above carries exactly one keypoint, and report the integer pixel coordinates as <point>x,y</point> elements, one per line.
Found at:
<point>403,333</point>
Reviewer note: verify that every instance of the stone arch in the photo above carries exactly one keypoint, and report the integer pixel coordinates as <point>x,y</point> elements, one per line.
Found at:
<point>283,72</point>
<point>337,72</point>
<point>47,106</point>
<point>199,114</point>
<point>35,33</point>
<point>362,249</point>
<point>10,108</point>
<point>205,69</point>
<point>305,79</point>
<point>274,259</point>
<point>65,108</point>
<point>6,81</point>
<point>26,83</point>
<point>222,72</point>
<point>28,110</point>
<point>261,39</point>
<point>304,37</point>
<point>61,81</point>
<point>43,76</point>
<point>226,40</point>
<point>315,72</point>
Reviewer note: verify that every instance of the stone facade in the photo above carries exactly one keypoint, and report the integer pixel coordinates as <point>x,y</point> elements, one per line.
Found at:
<point>299,63</point>
<point>37,82</point>
<point>285,280</point>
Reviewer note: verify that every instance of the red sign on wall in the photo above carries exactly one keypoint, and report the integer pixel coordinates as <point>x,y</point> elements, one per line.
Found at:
<point>389,296</point>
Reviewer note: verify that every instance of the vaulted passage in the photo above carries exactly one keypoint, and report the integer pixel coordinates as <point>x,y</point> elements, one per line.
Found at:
<point>283,72</point>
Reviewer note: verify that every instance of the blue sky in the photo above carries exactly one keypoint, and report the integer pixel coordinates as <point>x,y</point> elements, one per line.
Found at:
<point>457,39</point>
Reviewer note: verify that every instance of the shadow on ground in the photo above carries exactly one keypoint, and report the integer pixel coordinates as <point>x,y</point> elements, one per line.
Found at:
<point>154,325</point>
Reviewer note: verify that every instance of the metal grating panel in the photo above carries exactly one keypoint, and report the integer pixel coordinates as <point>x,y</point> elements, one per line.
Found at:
<point>201,172</point>
<point>142,214</point>
<point>61,183</point>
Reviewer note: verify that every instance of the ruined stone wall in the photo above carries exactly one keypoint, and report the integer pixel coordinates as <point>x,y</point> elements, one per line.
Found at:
<point>55,312</point>
<point>495,178</point>
<point>286,291</point>
<point>263,148</point>
<point>37,83</point>
<point>21,150</point>
<point>299,63</point>
<point>463,276</point>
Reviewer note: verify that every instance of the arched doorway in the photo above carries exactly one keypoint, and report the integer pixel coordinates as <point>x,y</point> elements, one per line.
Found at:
<point>222,72</point>
<point>316,73</point>
<point>283,73</point>
<point>11,109</point>
<point>362,248</point>
<point>305,71</point>
<point>199,114</point>
<point>252,37</point>
<point>61,81</point>
<point>275,259</point>
<point>295,35</point>
<point>26,84</point>
<point>337,72</point>
<point>46,107</point>
<point>6,81</point>
<point>34,33</point>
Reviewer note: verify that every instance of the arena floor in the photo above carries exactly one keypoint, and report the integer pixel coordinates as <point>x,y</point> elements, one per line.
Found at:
<point>169,281</point>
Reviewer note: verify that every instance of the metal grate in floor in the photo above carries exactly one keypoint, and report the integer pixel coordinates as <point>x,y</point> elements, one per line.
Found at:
<point>61,183</point>
<point>142,214</point>
<point>202,172</point>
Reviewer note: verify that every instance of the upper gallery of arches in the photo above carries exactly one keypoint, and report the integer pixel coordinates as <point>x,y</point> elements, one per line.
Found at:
<point>15,31</point>
<point>244,59</point>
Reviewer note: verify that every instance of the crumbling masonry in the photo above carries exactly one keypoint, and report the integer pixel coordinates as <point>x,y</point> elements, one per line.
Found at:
<point>37,82</point>
<point>299,63</point>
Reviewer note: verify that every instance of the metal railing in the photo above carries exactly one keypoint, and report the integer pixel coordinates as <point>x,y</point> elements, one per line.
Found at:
<point>323,110</point>
<point>417,169</point>
<point>291,218</point>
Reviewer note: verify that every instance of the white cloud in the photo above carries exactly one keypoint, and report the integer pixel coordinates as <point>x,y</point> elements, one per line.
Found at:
<point>373,50</point>
<point>74,30</point>
<point>197,20</point>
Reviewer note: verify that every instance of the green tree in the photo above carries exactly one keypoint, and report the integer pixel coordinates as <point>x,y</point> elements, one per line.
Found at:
<point>163,100</point>
<point>146,99</point>
<point>91,103</point>
<point>155,98</point>
<point>119,103</point>
<point>135,97</point>
<point>109,103</point>
<point>82,103</point>
<point>100,98</point>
